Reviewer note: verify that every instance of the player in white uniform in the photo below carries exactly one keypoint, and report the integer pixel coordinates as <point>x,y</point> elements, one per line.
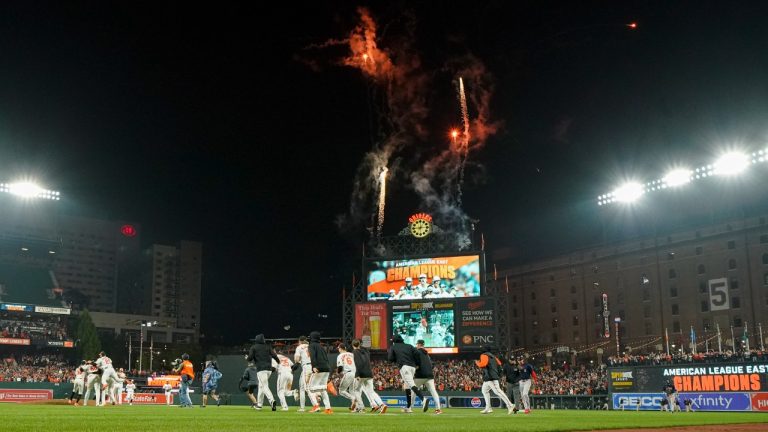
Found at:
<point>167,388</point>
<point>108,374</point>
<point>78,383</point>
<point>345,365</point>
<point>117,387</point>
<point>301,357</point>
<point>129,389</point>
<point>92,382</point>
<point>284,379</point>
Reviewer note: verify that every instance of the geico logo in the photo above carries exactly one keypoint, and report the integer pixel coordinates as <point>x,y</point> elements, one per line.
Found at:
<point>640,400</point>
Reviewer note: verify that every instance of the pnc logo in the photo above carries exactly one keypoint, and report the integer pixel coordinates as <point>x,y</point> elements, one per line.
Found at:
<point>467,339</point>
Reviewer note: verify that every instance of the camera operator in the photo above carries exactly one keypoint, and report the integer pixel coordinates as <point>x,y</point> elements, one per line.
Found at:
<point>186,370</point>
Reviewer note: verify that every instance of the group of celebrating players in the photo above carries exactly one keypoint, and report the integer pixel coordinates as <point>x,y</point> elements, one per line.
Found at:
<point>424,290</point>
<point>99,376</point>
<point>353,364</point>
<point>356,377</point>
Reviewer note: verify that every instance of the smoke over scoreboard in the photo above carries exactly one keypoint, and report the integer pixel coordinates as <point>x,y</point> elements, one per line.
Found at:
<point>709,386</point>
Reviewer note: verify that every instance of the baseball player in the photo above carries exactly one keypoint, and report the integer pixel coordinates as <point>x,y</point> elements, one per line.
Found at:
<point>526,375</point>
<point>364,378</point>
<point>78,383</point>
<point>345,365</point>
<point>318,381</point>
<point>167,389</point>
<point>425,377</point>
<point>261,355</point>
<point>130,387</point>
<point>108,375</point>
<point>92,382</point>
<point>422,287</point>
<point>406,356</point>
<point>301,357</point>
<point>116,388</point>
<point>284,379</point>
<point>671,394</point>
<point>491,374</point>
<point>512,374</point>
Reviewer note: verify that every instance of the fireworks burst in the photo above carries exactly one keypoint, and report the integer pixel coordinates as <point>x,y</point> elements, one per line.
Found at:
<point>382,201</point>
<point>464,143</point>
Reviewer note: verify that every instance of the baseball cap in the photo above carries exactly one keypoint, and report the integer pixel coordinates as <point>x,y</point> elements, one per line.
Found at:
<point>409,279</point>
<point>422,276</point>
<point>436,278</point>
<point>420,342</point>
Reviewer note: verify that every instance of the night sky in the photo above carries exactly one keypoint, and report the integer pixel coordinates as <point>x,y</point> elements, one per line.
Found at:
<point>229,125</point>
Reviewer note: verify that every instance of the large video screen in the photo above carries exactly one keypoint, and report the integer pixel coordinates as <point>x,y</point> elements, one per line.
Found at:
<point>431,322</point>
<point>424,278</point>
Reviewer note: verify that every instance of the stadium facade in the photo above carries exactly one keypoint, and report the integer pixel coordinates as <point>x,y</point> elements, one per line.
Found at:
<point>701,278</point>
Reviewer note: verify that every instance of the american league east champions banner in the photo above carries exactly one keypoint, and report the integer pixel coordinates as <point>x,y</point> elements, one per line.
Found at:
<point>477,323</point>
<point>709,387</point>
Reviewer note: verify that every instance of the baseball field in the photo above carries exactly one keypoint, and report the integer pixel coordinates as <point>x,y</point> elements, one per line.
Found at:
<point>47,417</point>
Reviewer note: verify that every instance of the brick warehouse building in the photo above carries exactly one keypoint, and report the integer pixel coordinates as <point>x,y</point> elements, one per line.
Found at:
<point>702,277</point>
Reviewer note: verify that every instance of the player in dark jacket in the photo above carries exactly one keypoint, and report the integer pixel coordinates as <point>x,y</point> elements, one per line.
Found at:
<point>261,355</point>
<point>364,376</point>
<point>425,377</point>
<point>406,357</point>
<point>512,374</point>
<point>250,382</point>
<point>318,381</point>
<point>492,370</point>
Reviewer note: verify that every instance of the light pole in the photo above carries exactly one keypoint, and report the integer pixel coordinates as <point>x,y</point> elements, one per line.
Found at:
<point>616,322</point>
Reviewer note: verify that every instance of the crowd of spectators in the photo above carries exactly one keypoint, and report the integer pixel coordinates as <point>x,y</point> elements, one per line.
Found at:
<point>40,368</point>
<point>710,356</point>
<point>50,328</point>
<point>463,375</point>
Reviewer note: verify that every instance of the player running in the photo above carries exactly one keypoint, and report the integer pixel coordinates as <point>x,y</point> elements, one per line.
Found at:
<point>425,377</point>
<point>301,357</point>
<point>406,357</point>
<point>491,374</point>
<point>284,368</point>
<point>345,365</point>
<point>364,377</point>
<point>261,355</point>
<point>211,377</point>
<point>318,381</point>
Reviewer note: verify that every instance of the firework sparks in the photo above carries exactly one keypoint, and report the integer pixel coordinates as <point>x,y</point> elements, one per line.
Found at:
<point>382,201</point>
<point>464,144</point>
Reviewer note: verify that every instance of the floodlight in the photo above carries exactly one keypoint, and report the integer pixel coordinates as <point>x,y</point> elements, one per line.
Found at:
<point>629,192</point>
<point>731,163</point>
<point>29,190</point>
<point>678,177</point>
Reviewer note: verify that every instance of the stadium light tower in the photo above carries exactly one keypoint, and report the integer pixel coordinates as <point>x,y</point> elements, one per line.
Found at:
<point>731,164</point>
<point>29,190</point>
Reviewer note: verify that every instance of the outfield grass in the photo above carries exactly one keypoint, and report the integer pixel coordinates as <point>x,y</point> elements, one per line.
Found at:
<point>32,417</point>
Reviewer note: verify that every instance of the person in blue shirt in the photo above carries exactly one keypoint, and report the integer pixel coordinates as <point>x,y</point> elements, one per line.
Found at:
<point>211,376</point>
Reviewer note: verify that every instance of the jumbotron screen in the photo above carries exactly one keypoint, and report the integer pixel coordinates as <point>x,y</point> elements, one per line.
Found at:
<point>424,278</point>
<point>430,321</point>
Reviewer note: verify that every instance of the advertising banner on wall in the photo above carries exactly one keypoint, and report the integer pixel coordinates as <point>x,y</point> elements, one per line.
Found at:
<point>709,387</point>
<point>25,395</point>
<point>476,322</point>
<point>371,325</point>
